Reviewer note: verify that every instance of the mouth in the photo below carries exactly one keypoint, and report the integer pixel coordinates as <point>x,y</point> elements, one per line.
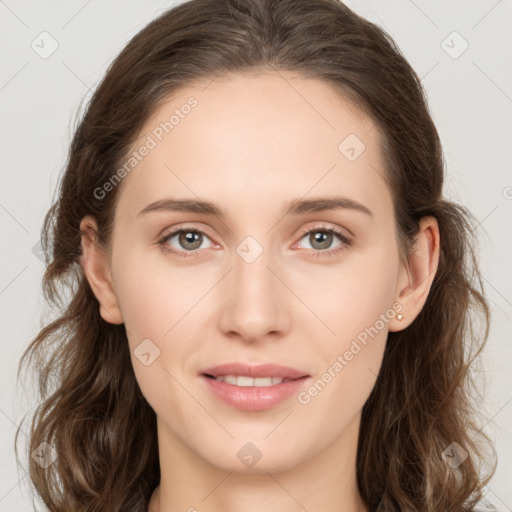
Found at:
<point>244,381</point>
<point>241,374</point>
<point>253,388</point>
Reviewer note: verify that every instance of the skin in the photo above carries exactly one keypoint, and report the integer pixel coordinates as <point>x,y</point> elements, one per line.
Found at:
<point>253,144</point>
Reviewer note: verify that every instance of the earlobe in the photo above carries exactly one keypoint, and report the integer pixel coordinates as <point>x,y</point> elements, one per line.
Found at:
<point>417,276</point>
<point>95,266</point>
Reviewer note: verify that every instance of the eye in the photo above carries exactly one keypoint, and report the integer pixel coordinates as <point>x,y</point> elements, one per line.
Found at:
<point>188,240</point>
<point>321,238</point>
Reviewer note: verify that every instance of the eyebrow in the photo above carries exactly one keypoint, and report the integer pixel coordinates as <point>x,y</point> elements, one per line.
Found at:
<point>296,207</point>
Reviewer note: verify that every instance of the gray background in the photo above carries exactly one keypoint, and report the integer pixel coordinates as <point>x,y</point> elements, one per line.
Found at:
<point>470,94</point>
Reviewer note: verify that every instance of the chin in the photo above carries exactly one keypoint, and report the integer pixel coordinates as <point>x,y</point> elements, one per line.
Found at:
<point>254,457</point>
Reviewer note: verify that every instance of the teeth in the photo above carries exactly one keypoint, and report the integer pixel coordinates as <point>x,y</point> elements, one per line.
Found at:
<point>243,381</point>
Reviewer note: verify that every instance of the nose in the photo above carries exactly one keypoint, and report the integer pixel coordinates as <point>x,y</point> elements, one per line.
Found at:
<point>257,304</point>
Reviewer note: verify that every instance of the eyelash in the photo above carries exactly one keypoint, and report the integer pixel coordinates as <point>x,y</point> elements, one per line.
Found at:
<point>345,241</point>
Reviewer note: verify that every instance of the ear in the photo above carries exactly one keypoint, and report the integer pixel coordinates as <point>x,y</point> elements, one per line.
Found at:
<point>95,265</point>
<point>417,275</point>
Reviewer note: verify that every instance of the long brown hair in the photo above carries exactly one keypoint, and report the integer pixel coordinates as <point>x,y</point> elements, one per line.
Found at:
<point>92,411</point>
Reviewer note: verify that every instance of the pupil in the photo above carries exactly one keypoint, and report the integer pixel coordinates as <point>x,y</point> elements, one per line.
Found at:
<point>189,237</point>
<point>319,235</point>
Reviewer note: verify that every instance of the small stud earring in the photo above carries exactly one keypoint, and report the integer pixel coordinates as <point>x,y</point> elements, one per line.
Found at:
<point>399,316</point>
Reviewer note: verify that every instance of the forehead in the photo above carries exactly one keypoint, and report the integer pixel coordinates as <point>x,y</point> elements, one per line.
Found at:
<point>243,139</point>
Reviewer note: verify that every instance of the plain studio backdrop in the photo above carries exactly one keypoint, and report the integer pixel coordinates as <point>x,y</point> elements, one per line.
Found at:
<point>54,54</point>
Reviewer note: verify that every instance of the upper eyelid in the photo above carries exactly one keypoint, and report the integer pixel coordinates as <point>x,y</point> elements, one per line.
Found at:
<point>326,227</point>
<point>166,233</point>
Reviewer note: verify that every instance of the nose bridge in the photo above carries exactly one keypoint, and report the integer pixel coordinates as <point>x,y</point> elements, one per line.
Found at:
<point>255,305</point>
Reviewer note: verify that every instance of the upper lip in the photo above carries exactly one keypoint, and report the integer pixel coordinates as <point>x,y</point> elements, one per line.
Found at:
<point>263,370</point>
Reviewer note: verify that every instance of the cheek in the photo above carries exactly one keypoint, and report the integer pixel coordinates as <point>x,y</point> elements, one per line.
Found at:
<point>152,295</point>
<point>356,305</point>
<point>344,381</point>
<point>354,296</point>
<point>157,304</point>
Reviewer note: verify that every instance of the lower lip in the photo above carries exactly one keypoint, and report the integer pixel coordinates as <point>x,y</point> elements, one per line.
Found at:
<point>253,398</point>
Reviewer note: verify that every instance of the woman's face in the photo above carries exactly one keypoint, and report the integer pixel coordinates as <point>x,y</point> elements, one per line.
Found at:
<point>263,281</point>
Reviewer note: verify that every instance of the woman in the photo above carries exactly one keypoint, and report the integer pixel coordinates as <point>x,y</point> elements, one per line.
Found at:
<point>272,302</point>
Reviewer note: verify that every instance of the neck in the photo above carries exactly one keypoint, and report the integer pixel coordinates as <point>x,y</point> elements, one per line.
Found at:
<point>324,482</point>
